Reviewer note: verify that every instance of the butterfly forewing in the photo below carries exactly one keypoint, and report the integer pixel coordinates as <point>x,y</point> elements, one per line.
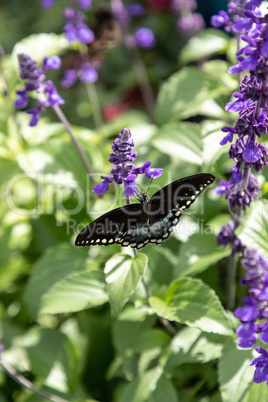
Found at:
<point>178,195</point>
<point>151,221</point>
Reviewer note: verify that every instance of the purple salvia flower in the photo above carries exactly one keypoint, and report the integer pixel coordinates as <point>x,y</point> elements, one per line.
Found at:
<point>69,78</point>
<point>255,305</point>
<point>220,20</point>
<point>85,4</point>
<point>47,3</point>
<point>75,28</point>
<point>190,24</point>
<point>145,38</point>
<point>229,137</point>
<point>125,172</point>
<point>252,153</point>
<point>87,73</point>
<point>247,334</point>
<point>136,9</point>
<point>36,81</point>
<point>261,363</point>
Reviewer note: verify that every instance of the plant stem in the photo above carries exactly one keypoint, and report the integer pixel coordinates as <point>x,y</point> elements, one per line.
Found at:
<point>80,150</point>
<point>95,105</point>
<point>20,379</point>
<point>143,81</point>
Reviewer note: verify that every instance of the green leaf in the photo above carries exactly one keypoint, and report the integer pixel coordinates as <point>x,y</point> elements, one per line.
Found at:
<point>183,140</point>
<point>207,43</point>
<point>8,170</point>
<point>123,273</point>
<point>53,358</point>
<point>40,45</point>
<point>183,94</point>
<point>235,373</point>
<point>165,391</point>
<point>257,392</point>
<point>254,232</point>
<point>191,345</point>
<point>191,302</point>
<point>199,253</point>
<point>56,264</point>
<point>141,388</point>
<point>150,339</point>
<point>193,143</point>
<point>77,291</point>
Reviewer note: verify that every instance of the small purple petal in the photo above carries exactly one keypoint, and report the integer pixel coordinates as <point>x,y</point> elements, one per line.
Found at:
<point>52,62</point>
<point>252,153</point>
<point>136,9</point>
<point>130,188</point>
<point>85,4</point>
<point>101,188</point>
<point>69,78</point>
<point>35,117</point>
<point>153,173</point>
<point>89,74</point>
<point>21,102</point>
<point>145,38</point>
<point>264,335</point>
<point>47,3</point>
<point>227,138</point>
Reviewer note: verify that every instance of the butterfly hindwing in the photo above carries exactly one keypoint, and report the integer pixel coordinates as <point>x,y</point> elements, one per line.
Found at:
<point>112,227</point>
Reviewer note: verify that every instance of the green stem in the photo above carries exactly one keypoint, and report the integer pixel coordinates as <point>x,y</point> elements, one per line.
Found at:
<point>80,150</point>
<point>143,81</point>
<point>20,379</point>
<point>95,105</point>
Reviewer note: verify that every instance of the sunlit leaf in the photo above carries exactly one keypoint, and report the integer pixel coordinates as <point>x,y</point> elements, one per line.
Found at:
<point>191,302</point>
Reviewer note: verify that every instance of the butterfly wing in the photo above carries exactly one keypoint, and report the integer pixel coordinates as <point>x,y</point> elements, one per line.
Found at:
<point>126,226</point>
<point>167,204</point>
<point>152,221</point>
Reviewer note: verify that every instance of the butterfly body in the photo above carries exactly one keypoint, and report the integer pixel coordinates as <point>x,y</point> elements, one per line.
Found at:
<point>150,221</point>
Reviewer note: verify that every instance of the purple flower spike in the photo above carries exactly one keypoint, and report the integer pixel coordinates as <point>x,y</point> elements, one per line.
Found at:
<point>145,38</point>
<point>36,81</point>
<point>125,172</point>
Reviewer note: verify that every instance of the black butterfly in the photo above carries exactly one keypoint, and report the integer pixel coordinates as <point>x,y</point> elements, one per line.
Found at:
<point>150,221</point>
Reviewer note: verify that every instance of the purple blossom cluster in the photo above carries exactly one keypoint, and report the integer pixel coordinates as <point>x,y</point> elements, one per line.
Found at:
<point>35,81</point>
<point>189,22</point>
<point>246,22</point>
<point>256,304</point>
<point>236,19</point>
<point>76,30</point>
<point>125,172</point>
<point>247,151</point>
<point>143,37</point>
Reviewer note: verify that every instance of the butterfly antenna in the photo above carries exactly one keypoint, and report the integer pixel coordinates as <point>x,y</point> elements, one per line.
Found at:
<point>149,185</point>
